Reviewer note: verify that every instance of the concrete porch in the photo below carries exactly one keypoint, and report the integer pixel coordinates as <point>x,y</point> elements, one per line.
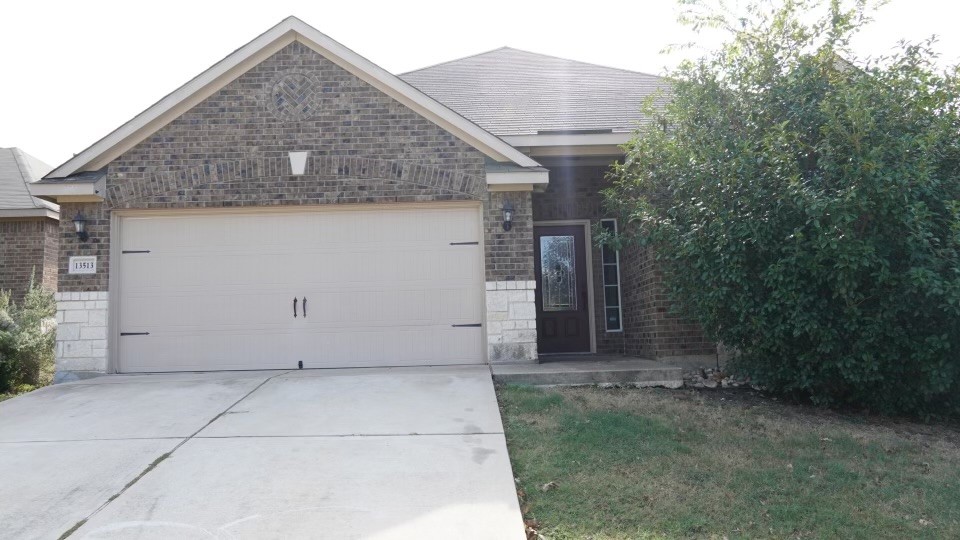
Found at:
<point>581,369</point>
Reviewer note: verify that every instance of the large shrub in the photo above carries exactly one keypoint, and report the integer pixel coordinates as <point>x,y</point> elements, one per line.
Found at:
<point>26,339</point>
<point>805,211</point>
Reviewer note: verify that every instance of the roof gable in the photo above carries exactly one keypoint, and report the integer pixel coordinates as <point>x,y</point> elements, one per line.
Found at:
<point>243,59</point>
<point>513,92</point>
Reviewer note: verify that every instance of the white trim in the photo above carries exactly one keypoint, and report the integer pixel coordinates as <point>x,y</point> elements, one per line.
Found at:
<point>517,177</point>
<point>603,280</point>
<point>113,297</point>
<point>28,213</point>
<point>287,31</point>
<point>588,249</point>
<point>569,139</point>
<point>72,189</point>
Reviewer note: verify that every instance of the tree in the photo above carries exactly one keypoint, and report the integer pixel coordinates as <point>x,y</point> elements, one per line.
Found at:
<point>806,211</point>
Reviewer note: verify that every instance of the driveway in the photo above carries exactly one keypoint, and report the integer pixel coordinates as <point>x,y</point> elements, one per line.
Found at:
<point>359,453</point>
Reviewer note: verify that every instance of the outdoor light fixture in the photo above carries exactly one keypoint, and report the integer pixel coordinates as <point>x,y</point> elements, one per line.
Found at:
<point>80,224</point>
<point>507,215</point>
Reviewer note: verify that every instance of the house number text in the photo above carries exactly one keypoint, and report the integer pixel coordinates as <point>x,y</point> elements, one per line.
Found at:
<point>83,265</point>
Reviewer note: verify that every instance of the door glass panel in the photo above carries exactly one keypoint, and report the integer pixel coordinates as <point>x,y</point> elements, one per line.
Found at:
<point>558,273</point>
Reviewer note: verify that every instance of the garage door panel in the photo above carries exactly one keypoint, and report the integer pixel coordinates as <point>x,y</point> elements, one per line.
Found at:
<point>208,310</point>
<point>284,348</point>
<point>384,287</point>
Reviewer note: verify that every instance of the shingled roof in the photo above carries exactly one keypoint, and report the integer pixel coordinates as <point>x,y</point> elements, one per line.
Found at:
<point>512,92</point>
<point>17,169</point>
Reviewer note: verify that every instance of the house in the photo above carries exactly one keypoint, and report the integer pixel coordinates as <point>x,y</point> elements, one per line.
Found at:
<point>296,205</point>
<point>29,227</point>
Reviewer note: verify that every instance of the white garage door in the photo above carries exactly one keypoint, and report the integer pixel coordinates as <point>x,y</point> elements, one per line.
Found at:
<point>381,286</point>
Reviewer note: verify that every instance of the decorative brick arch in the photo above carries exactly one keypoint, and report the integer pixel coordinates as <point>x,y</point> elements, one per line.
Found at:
<point>268,181</point>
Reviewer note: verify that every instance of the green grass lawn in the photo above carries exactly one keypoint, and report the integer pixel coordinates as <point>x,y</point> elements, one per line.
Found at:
<point>654,463</point>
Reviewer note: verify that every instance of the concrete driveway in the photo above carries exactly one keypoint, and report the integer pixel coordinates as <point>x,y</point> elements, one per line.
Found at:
<point>365,453</point>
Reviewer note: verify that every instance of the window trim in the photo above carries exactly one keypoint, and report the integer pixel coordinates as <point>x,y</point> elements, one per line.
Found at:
<point>603,281</point>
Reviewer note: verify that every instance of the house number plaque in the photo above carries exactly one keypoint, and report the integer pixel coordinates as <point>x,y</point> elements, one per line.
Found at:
<point>83,265</point>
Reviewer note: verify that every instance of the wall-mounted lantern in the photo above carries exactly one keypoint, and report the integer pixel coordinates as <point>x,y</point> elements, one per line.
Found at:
<point>80,225</point>
<point>507,215</point>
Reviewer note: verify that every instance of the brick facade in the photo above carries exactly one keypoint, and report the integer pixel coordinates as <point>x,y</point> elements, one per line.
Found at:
<point>28,247</point>
<point>232,150</point>
<point>509,253</point>
<point>649,329</point>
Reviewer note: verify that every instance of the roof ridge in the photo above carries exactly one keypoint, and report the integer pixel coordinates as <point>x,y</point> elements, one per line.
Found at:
<point>438,64</point>
<point>21,164</point>
<point>524,51</point>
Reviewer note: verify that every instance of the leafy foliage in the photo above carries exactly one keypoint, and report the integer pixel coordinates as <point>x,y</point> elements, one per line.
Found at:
<point>26,340</point>
<point>806,211</point>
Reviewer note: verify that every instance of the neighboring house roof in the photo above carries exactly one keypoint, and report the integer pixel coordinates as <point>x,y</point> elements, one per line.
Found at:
<point>511,92</point>
<point>240,61</point>
<point>17,170</point>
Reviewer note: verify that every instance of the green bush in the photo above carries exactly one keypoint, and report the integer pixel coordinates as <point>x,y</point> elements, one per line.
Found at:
<point>807,212</point>
<point>27,340</point>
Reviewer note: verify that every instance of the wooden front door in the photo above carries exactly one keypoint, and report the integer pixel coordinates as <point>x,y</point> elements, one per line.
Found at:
<point>563,317</point>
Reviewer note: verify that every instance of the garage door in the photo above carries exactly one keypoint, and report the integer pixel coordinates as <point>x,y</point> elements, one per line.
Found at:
<point>381,286</point>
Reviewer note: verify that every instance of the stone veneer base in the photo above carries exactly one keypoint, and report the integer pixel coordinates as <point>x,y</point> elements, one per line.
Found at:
<point>81,350</point>
<point>511,321</point>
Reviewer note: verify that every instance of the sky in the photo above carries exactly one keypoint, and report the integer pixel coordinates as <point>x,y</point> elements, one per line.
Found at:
<point>73,71</point>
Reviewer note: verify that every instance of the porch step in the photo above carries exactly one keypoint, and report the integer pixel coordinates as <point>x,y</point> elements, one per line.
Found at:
<point>618,370</point>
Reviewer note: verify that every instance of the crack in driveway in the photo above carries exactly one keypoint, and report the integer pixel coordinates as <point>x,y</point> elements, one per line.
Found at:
<point>153,465</point>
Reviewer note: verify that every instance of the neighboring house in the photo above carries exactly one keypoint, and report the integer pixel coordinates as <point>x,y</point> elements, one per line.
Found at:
<point>29,227</point>
<point>297,205</point>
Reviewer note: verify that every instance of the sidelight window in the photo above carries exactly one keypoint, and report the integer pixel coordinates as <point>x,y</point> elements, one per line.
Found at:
<point>613,313</point>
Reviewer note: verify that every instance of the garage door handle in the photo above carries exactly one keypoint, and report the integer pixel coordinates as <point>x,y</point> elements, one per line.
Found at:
<point>304,307</point>
<point>294,307</point>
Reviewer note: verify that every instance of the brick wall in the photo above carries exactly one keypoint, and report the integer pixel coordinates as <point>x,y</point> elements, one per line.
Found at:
<point>28,247</point>
<point>98,243</point>
<point>232,150</point>
<point>509,253</point>
<point>654,330</point>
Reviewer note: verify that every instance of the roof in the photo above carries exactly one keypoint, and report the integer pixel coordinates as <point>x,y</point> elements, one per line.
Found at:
<point>17,170</point>
<point>512,92</point>
<point>240,61</point>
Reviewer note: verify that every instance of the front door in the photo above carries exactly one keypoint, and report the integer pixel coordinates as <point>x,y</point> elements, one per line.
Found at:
<point>563,319</point>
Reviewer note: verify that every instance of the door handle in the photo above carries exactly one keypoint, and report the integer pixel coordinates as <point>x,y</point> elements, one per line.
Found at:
<point>304,307</point>
<point>294,307</point>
